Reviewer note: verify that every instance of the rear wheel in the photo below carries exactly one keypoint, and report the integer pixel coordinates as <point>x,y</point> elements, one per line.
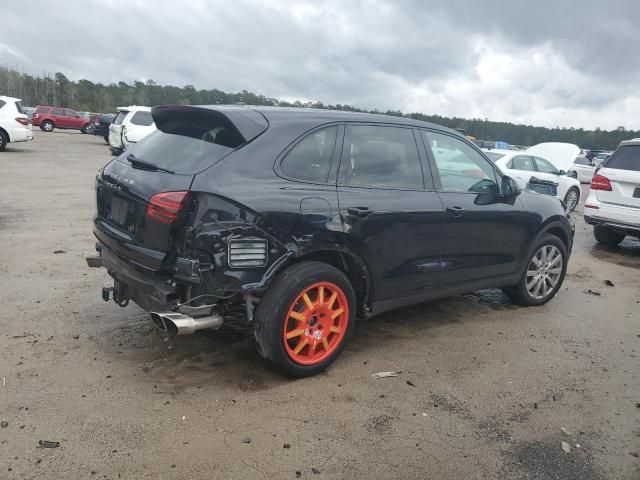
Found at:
<point>47,126</point>
<point>543,277</point>
<point>305,318</point>
<point>3,140</point>
<point>572,198</point>
<point>607,236</point>
<point>85,128</point>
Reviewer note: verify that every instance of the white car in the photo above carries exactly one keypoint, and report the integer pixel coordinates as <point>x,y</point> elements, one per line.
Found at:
<point>15,125</point>
<point>613,204</point>
<point>130,126</point>
<point>582,169</point>
<point>545,161</point>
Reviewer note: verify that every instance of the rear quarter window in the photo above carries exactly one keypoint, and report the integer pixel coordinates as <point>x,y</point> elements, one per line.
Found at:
<point>627,157</point>
<point>310,159</point>
<point>19,107</point>
<point>2,103</point>
<point>43,109</point>
<point>142,118</point>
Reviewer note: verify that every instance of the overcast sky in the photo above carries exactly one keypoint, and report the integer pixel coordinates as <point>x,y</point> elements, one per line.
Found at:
<point>552,63</point>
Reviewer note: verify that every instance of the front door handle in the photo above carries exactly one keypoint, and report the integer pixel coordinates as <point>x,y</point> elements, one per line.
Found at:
<point>360,212</point>
<point>455,211</point>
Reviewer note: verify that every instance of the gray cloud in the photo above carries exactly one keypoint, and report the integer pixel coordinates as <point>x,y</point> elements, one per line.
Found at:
<point>548,62</point>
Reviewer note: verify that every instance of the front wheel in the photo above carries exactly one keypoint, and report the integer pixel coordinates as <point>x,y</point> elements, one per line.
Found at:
<point>544,274</point>
<point>572,198</point>
<point>607,236</point>
<point>305,318</point>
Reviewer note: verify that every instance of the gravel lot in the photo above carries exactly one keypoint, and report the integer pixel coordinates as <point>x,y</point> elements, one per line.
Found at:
<point>484,391</point>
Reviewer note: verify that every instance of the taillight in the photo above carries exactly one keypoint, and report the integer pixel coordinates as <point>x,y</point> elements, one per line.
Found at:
<point>22,121</point>
<point>165,207</point>
<point>599,182</point>
<point>36,115</point>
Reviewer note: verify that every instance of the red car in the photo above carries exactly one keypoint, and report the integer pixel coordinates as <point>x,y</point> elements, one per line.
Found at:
<point>48,118</point>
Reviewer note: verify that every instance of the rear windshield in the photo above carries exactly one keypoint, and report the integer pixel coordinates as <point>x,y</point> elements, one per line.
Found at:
<point>142,118</point>
<point>119,118</point>
<point>180,153</point>
<point>493,156</point>
<point>627,157</point>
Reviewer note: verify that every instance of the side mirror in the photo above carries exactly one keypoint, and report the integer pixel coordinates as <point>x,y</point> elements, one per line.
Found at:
<point>562,172</point>
<point>509,187</point>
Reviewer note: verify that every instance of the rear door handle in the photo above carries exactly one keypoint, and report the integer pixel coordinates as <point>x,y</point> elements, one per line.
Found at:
<point>455,211</point>
<point>359,212</point>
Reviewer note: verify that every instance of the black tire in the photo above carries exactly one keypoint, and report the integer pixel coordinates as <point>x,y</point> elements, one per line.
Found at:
<point>273,310</point>
<point>519,292</point>
<point>567,198</point>
<point>47,126</point>
<point>607,236</point>
<point>85,129</point>
<point>3,140</point>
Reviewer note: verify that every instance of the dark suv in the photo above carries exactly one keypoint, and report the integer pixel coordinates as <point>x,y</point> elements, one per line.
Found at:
<point>301,221</point>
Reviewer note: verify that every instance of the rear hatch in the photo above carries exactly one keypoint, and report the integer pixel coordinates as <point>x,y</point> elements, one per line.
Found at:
<point>143,196</point>
<point>115,129</point>
<point>622,169</point>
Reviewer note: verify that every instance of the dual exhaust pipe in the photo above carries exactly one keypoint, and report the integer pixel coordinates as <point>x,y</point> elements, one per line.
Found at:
<point>181,324</point>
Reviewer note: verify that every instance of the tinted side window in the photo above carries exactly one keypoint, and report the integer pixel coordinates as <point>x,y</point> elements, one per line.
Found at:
<point>310,159</point>
<point>378,156</point>
<point>58,111</point>
<point>119,118</point>
<point>42,110</point>
<point>142,118</point>
<point>460,167</point>
<point>626,157</point>
<point>71,113</point>
<point>522,162</point>
<point>545,167</point>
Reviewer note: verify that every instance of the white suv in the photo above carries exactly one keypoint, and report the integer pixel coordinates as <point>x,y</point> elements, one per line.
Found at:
<point>130,126</point>
<point>15,125</point>
<point>613,205</point>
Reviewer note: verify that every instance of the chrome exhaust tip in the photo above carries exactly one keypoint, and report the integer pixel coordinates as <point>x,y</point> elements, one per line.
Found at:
<point>181,324</point>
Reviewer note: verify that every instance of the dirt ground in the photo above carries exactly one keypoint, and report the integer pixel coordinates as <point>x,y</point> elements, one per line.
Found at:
<point>484,391</point>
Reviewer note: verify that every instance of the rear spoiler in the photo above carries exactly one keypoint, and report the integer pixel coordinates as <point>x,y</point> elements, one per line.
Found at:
<point>246,122</point>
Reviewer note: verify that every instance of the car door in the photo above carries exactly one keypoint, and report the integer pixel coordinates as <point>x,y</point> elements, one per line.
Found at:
<point>73,119</point>
<point>391,215</point>
<point>522,168</point>
<point>59,118</point>
<point>484,232</point>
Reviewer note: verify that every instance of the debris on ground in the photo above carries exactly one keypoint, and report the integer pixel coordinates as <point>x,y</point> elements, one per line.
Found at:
<point>246,440</point>
<point>384,374</point>
<point>286,445</point>
<point>48,444</point>
<point>298,473</point>
<point>592,292</point>
<point>59,251</point>
<point>565,431</point>
<point>314,470</point>
<point>565,447</point>
<point>634,454</point>
<point>4,424</point>
<point>410,383</point>
<point>609,283</point>
<point>76,336</point>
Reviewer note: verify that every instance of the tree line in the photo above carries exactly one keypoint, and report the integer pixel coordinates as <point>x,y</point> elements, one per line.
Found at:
<point>84,95</point>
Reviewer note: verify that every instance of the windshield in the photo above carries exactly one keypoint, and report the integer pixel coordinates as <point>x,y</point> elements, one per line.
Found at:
<point>179,153</point>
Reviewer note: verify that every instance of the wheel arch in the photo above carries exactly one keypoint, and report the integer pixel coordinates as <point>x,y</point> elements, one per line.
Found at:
<point>348,262</point>
<point>6,134</point>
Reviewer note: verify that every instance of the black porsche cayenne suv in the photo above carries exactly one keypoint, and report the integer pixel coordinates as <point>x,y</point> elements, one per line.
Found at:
<point>301,221</point>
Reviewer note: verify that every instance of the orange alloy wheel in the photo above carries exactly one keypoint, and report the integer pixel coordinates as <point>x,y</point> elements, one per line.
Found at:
<point>316,323</point>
